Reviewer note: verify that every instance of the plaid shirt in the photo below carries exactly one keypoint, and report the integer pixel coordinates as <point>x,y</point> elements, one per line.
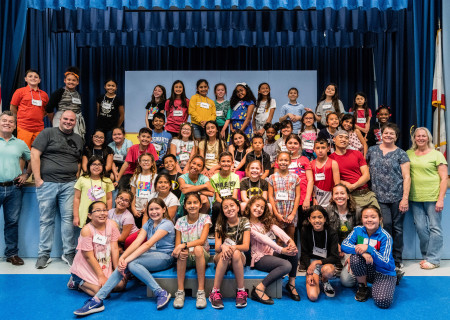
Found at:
<point>284,184</point>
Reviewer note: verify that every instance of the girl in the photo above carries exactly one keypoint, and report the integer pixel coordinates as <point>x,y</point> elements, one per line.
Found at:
<point>201,109</point>
<point>142,183</point>
<point>98,147</point>
<point>361,112</point>
<point>184,146</point>
<point>270,144</point>
<point>194,181</point>
<point>356,140</point>
<point>371,258</point>
<point>267,255</point>
<point>293,110</point>
<point>253,185</point>
<point>176,108</point>
<point>374,134</point>
<point>328,132</point>
<point>232,240</point>
<point>286,129</point>
<point>163,188</point>
<point>97,253</point>
<point>319,252</point>
<point>90,187</point>
<point>328,102</point>
<point>155,105</point>
<point>243,102</point>
<point>191,248</point>
<point>124,218</point>
<point>150,252</point>
<point>265,108</point>
<point>222,109</point>
<point>120,146</point>
<point>239,148</point>
<point>67,98</point>
<point>308,133</point>
<point>110,111</point>
<point>211,147</point>
<point>284,194</point>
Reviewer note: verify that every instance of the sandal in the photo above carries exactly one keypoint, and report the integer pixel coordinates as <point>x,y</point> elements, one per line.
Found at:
<point>290,289</point>
<point>256,297</point>
<point>422,262</point>
<point>428,266</point>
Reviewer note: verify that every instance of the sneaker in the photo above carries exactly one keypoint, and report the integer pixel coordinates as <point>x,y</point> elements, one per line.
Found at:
<point>178,303</point>
<point>42,262</point>
<point>339,267</point>
<point>90,306</point>
<point>162,298</point>
<point>301,267</point>
<point>328,289</point>
<point>241,299</point>
<point>216,300</point>
<point>201,299</point>
<point>211,236</point>
<point>363,293</point>
<point>72,285</point>
<point>68,258</point>
<point>399,266</point>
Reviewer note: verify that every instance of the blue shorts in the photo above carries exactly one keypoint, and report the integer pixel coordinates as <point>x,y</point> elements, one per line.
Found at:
<point>199,131</point>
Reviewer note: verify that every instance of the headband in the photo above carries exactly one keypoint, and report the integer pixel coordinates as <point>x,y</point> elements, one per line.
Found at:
<point>70,72</point>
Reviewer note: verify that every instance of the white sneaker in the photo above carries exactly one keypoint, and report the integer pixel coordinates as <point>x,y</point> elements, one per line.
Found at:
<point>178,303</point>
<point>201,299</point>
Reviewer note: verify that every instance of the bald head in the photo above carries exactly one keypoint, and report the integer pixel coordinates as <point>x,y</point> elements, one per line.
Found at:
<point>67,121</point>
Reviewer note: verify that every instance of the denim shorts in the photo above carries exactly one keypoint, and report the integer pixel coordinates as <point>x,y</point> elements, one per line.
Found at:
<point>199,131</point>
<point>78,281</point>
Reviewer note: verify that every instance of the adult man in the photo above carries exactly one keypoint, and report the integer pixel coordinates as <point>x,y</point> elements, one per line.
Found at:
<point>14,153</point>
<point>354,170</point>
<point>55,160</point>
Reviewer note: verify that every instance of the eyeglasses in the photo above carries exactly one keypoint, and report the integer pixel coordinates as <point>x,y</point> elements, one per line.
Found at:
<point>100,210</point>
<point>146,161</point>
<point>186,129</point>
<point>99,137</point>
<point>123,200</point>
<point>96,165</point>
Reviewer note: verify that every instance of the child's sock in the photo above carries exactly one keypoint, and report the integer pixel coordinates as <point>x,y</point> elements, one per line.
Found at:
<point>214,290</point>
<point>241,289</point>
<point>96,299</point>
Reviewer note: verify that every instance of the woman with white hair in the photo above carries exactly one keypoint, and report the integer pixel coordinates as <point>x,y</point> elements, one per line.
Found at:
<point>428,187</point>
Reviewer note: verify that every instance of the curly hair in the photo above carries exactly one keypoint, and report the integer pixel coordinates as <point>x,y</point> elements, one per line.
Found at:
<point>266,218</point>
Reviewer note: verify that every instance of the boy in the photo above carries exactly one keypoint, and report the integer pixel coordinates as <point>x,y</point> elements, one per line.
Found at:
<point>170,166</point>
<point>293,110</point>
<point>258,154</point>
<point>325,173</point>
<point>130,163</point>
<point>160,139</point>
<point>28,105</point>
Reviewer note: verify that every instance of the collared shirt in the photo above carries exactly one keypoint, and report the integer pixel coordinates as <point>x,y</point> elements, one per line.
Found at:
<point>12,151</point>
<point>30,117</point>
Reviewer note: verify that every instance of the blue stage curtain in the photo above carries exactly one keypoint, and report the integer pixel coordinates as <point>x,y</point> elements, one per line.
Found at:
<point>220,4</point>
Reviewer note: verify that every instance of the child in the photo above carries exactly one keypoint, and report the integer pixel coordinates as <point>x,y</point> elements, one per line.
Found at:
<point>211,147</point>
<point>284,194</point>
<point>225,183</point>
<point>110,111</point>
<point>184,146</point>
<point>150,252</point>
<point>223,111</point>
<point>374,134</point>
<point>176,108</point>
<point>267,255</point>
<point>191,248</point>
<point>131,160</point>
<point>98,147</point>
<point>232,240</point>
<point>293,110</point>
<point>253,185</point>
<point>142,185</point>
<point>160,138</point>
<point>67,98</point>
<point>242,103</point>
<point>328,102</point>
<point>361,112</point>
<point>156,105</point>
<point>371,258</point>
<point>308,133</point>
<point>120,147</point>
<point>90,187</point>
<point>201,109</point>
<point>239,148</point>
<point>325,173</point>
<point>124,218</point>
<point>163,190</point>
<point>170,164</point>
<point>265,108</point>
<point>97,253</point>
<point>329,132</point>
<point>259,155</point>
<point>286,130</point>
<point>319,252</point>
<point>28,105</point>
<point>270,145</point>
<point>356,140</point>
<point>194,181</point>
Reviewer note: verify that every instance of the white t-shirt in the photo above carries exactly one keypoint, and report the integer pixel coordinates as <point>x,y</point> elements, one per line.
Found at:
<point>144,185</point>
<point>170,201</point>
<point>262,114</point>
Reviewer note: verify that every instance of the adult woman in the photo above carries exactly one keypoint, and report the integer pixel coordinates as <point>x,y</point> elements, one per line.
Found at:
<point>389,171</point>
<point>428,187</point>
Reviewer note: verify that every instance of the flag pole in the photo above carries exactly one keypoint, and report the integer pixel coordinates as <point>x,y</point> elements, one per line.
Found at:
<point>439,108</point>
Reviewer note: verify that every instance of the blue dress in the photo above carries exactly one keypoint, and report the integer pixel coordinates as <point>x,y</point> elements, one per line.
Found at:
<point>238,116</point>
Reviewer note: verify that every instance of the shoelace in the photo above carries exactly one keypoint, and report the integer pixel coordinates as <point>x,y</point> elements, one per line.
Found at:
<point>216,296</point>
<point>242,294</point>
<point>178,293</point>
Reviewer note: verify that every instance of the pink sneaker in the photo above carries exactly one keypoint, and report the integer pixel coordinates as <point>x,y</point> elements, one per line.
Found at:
<point>241,299</point>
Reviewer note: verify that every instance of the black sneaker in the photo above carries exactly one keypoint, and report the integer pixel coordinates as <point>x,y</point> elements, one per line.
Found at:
<point>328,289</point>
<point>363,293</point>
<point>301,267</point>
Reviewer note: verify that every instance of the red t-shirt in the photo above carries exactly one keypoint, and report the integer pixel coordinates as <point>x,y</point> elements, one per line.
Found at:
<point>299,167</point>
<point>133,156</point>
<point>175,115</point>
<point>361,118</point>
<point>30,117</point>
<point>350,166</point>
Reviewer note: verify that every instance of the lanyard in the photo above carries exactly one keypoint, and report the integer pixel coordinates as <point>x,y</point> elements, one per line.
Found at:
<point>31,93</point>
<point>326,238</point>
<point>101,186</point>
<point>104,99</point>
<point>237,231</point>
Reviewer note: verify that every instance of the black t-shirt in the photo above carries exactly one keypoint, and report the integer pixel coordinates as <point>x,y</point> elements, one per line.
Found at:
<point>254,188</point>
<point>264,158</point>
<point>89,151</point>
<point>109,112</point>
<point>175,185</point>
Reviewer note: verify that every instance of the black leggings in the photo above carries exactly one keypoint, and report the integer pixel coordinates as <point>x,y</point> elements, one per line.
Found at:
<point>277,266</point>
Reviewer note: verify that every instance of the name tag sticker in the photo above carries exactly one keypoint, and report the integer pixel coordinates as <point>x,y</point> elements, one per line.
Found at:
<point>76,100</point>
<point>37,103</point>
<point>204,105</point>
<point>184,156</point>
<point>178,113</point>
<point>361,120</point>
<point>225,193</point>
<point>118,157</point>
<point>320,252</point>
<point>98,193</point>
<point>210,156</point>
<point>320,176</point>
<point>219,113</point>
<point>281,195</point>
<point>98,238</point>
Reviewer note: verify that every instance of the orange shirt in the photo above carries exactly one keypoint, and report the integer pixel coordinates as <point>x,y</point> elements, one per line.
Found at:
<point>30,117</point>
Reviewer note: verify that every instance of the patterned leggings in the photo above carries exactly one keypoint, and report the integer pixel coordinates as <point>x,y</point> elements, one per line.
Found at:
<point>383,286</point>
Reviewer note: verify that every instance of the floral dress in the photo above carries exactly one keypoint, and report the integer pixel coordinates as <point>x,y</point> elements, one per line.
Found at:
<point>238,116</point>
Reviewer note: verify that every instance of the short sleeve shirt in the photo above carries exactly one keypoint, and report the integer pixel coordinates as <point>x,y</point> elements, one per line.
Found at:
<point>109,114</point>
<point>220,183</point>
<point>30,116</point>
<point>254,188</point>
<point>167,243</point>
<point>350,166</point>
<point>193,231</point>
<point>12,151</point>
<point>124,219</point>
<point>236,233</point>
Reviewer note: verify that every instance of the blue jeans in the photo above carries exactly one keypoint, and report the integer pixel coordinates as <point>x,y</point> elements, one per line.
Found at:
<point>52,196</point>
<point>11,201</point>
<point>393,223</point>
<point>141,268</point>
<point>199,131</point>
<point>429,230</point>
